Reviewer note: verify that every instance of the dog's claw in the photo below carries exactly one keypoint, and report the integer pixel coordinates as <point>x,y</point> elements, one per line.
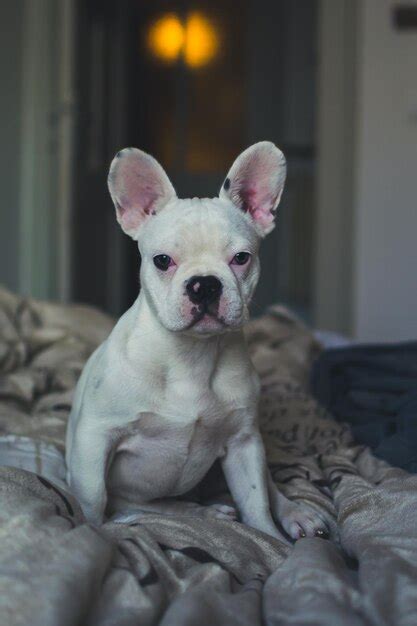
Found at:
<point>300,521</point>
<point>221,511</point>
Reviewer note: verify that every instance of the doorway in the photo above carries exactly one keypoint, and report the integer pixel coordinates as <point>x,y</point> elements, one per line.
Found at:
<point>193,83</point>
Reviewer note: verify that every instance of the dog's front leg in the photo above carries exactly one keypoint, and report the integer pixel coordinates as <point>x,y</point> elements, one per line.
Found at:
<point>245,469</point>
<point>87,467</point>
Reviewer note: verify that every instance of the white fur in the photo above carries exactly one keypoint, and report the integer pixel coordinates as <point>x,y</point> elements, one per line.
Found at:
<point>167,394</point>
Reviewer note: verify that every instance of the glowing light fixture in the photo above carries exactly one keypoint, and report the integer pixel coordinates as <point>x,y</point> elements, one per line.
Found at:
<point>196,41</point>
<point>201,41</point>
<point>166,37</point>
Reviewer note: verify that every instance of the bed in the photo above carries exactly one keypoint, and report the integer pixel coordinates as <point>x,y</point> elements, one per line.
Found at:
<point>56,569</point>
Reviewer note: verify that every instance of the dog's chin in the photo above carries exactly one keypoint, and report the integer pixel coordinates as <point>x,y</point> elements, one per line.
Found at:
<point>207,325</point>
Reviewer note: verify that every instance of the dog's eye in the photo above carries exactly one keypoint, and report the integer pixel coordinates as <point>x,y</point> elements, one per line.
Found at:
<point>162,262</point>
<point>241,258</point>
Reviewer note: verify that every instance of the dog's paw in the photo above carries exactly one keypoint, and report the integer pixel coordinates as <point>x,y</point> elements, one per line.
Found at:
<point>300,521</point>
<point>221,511</point>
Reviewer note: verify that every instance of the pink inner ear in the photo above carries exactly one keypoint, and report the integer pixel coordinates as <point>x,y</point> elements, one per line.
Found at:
<point>135,202</point>
<point>141,198</point>
<point>263,217</point>
<point>255,183</point>
<point>259,202</point>
<point>248,196</point>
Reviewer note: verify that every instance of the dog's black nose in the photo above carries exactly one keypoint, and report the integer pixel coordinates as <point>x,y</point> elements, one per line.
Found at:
<point>204,289</point>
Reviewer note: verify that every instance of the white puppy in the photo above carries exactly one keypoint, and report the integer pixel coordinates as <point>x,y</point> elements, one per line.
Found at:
<point>173,388</point>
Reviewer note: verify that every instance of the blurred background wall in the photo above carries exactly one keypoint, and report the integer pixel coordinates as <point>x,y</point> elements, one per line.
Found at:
<point>332,82</point>
<point>10,155</point>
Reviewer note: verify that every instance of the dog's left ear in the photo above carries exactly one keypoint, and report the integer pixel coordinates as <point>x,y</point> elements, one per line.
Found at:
<point>255,183</point>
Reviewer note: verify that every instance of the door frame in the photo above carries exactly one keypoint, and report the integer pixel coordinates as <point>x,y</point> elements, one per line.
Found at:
<point>335,184</point>
<point>46,139</point>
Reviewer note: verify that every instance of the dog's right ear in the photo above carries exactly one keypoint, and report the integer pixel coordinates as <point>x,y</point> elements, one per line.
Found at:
<point>139,188</point>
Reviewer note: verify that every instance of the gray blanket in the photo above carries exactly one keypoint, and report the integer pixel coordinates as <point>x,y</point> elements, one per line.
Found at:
<point>55,569</point>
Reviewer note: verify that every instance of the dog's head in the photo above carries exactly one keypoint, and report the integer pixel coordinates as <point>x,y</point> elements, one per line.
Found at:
<point>200,260</point>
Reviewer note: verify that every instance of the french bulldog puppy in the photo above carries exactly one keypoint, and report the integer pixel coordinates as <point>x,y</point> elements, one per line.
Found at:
<point>173,389</point>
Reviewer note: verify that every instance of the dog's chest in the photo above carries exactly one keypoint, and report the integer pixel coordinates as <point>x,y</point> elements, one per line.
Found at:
<point>183,422</point>
<point>161,456</point>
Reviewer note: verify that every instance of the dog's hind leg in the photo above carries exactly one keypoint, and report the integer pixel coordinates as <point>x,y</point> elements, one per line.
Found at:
<point>177,508</point>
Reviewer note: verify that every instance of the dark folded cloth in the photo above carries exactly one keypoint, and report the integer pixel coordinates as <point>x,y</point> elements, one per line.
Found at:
<point>374,388</point>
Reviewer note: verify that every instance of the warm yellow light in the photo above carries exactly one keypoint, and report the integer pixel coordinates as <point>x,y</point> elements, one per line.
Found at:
<point>166,37</point>
<point>197,41</point>
<point>201,42</point>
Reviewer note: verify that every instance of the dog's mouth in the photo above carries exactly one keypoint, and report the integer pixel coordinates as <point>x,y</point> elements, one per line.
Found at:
<point>203,318</point>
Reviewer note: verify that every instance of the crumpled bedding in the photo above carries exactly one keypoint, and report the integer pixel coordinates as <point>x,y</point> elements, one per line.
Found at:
<point>56,569</point>
<point>375,388</point>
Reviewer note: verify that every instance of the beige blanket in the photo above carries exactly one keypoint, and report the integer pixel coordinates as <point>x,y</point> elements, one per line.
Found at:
<point>56,569</point>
